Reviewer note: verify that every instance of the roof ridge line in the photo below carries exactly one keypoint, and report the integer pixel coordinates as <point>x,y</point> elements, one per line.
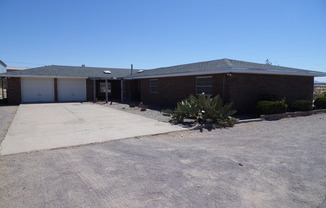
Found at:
<point>198,62</point>
<point>93,67</point>
<point>228,62</point>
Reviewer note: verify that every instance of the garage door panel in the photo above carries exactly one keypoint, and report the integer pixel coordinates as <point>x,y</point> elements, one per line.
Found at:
<point>35,90</point>
<point>71,90</point>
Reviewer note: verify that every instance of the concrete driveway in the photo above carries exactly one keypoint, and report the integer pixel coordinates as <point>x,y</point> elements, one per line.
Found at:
<point>264,164</point>
<point>48,126</point>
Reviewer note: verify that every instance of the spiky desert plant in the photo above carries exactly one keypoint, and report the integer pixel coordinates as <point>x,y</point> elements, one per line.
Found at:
<point>204,109</point>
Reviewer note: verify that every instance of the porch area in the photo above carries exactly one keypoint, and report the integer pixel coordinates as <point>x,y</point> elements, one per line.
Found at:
<point>109,90</point>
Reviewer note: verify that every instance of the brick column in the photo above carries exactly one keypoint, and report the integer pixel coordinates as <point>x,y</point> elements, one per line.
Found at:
<point>90,90</point>
<point>14,93</point>
<point>55,89</point>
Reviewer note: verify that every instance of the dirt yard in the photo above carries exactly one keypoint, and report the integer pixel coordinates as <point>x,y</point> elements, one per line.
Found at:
<point>264,164</point>
<point>7,113</point>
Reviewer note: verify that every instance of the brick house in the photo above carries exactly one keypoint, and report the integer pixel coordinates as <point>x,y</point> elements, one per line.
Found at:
<point>64,84</point>
<point>235,81</point>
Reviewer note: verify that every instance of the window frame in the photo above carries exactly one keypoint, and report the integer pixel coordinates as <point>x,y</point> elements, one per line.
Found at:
<point>103,88</point>
<point>156,86</point>
<point>211,85</point>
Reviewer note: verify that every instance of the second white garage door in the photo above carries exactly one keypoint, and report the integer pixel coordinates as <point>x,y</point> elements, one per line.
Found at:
<point>71,90</point>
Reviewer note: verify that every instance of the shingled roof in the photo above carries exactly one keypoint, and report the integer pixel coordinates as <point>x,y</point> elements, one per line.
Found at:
<point>222,66</point>
<point>2,63</point>
<point>70,71</point>
<point>200,68</point>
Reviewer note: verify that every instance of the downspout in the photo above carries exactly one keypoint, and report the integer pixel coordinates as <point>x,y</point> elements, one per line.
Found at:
<point>121,83</point>
<point>7,87</point>
<point>2,93</point>
<point>223,93</point>
<point>106,91</point>
<point>94,90</point>
<point>228,76</point>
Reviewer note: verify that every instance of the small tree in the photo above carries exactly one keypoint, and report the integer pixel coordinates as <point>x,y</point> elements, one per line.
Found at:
<point>268,62</point>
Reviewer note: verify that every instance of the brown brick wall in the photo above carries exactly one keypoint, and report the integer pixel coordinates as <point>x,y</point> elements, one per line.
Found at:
<point>170,90</point>
<point>174,89</point>
<point>89,90</point>
<point>241,89</point>
<point>245,89</point>
<point>14,91</point>
<point>127,88</point>
<point>132,91</point>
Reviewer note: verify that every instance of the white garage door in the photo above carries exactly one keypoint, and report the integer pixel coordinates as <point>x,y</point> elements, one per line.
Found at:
<point>35,90</point>
<point>71,90</point>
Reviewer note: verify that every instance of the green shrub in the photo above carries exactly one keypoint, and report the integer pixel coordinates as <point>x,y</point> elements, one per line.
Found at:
<point>320,103</point>
<point>301,105</point>
<point>204,109</point>
<point>271,107</point>
<point>185,109</point>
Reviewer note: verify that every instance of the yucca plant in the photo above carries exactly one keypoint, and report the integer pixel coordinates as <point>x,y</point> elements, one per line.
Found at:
<point>204,109</point>
<point>185,109</point>
<point>223,111</point>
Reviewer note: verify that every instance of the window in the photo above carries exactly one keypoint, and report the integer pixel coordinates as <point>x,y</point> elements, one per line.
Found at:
<point>204,85</point>
<point>102,87</point>
<point>153,85</point>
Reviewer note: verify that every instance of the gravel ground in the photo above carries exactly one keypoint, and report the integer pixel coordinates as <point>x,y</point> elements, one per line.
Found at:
<point>263,164</point>
<point>7,113</point>
<point>153,112</point>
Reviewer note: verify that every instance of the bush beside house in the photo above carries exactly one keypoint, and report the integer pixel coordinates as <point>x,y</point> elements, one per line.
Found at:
<point>203,110</point>
<point>301,105</point>
<point>270,104</point>
<point>320,103</point>
<point>271,107</point>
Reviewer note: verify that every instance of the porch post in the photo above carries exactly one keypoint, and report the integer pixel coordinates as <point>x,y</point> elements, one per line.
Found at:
<point>2,88</point>
<point>6,87</point>
<point>121,83</point>
<point>106,91</point>
<point>94,90</point>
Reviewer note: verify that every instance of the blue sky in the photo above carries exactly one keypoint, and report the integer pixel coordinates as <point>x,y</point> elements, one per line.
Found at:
<point>158,33</point>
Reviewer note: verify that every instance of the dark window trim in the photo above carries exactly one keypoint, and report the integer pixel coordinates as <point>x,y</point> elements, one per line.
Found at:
<point>211,86</point>
<point>153,87</point>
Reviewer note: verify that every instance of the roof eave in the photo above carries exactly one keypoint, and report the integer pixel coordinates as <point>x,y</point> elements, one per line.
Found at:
<point>62,77</point>
<point>237,71</point>
<point>3,64</point>
<point>38,76</point>
<point>106,78</point>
